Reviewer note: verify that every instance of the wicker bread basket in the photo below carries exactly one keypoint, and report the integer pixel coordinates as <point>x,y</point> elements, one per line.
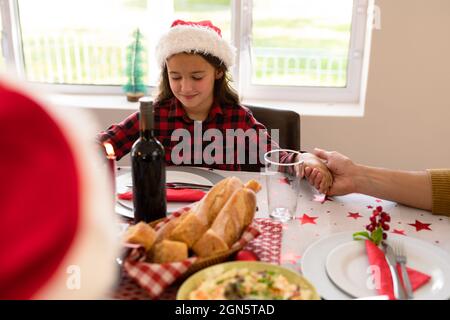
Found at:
<point>202,263</point>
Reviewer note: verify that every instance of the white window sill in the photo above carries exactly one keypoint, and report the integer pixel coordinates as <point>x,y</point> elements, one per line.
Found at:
<point>119,102</point>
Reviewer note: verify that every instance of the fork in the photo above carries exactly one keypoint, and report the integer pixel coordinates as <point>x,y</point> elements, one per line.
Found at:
<point>400,257</point>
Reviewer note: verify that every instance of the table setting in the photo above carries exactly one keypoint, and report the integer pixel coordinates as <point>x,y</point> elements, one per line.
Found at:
<point>317,241</point>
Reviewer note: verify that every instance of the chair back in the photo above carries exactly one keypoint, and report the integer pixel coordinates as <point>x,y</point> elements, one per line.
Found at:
<point>286,121</point>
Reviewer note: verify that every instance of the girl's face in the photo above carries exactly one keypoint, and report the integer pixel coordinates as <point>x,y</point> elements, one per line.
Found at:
<point>191,80</point>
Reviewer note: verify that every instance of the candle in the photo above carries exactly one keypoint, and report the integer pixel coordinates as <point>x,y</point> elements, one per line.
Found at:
<point>111,157</point>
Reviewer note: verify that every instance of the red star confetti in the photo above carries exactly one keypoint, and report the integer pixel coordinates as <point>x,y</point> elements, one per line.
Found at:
<point>284,180</point>
<point>290,257</point>
<point>321,198</point>
<point>369,207</point>
<point>402,232</point>
<point>355,215</point>
<point>378,200</point>
<point>420,226</point>
<point>307,219</point>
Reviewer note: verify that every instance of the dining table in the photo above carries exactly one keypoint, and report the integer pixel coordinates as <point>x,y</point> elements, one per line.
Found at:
<point>320,225</point>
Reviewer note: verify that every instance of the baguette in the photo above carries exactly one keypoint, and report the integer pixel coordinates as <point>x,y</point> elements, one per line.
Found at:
<point>165,231</point>
<point>233,219</point>
<point>188,230</point>
<point>210,206</point>
<point>253,185</point>
<point>193,227</point>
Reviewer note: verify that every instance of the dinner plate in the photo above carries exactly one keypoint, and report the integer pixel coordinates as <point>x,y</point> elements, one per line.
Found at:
<point>338,267</point>
<point>173,174</point>
<point>194,281</point>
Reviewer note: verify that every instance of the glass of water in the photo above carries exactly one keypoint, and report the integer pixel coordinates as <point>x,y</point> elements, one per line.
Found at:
<point>283,185</point>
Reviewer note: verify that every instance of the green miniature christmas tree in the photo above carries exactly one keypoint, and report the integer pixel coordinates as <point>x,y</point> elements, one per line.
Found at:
<point>135,87</point>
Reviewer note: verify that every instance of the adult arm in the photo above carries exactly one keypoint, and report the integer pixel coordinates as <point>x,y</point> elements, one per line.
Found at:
<point>412,188</point>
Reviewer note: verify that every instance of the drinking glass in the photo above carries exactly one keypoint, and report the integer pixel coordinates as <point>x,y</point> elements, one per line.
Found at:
<point>283,185</point>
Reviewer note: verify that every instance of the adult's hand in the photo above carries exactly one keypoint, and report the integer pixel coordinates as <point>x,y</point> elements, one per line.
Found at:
<point>412,188</point>
<point>342,168</point>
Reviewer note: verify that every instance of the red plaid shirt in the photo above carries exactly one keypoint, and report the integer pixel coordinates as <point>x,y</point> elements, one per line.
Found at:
<point>170,116</point>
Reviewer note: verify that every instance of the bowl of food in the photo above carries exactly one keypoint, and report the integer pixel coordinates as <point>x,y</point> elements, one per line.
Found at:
<point>247,280</point>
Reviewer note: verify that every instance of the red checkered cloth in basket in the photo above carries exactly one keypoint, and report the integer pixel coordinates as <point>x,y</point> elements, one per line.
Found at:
<point>155,277</point>
<point>267,246</point>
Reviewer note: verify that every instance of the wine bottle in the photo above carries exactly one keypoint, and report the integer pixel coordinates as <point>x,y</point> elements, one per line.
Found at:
<point>148,169</point>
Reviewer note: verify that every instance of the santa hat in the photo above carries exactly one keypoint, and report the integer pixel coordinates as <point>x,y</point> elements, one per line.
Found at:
<point>199,37</point>
<point>57,229</point>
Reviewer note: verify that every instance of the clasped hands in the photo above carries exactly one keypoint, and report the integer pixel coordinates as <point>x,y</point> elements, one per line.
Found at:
<point>330,173</point>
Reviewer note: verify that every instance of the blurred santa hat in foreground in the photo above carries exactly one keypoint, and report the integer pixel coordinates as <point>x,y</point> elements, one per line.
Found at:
<point>57,226</point>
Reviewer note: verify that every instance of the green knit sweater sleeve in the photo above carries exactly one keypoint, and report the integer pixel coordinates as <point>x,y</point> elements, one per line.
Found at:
<point>440,184</point>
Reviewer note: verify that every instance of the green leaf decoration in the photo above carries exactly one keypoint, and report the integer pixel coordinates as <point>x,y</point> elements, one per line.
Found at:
<point>377,235</point>
<point>362,235</point>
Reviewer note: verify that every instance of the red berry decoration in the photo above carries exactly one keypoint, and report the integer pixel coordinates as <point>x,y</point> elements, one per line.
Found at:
<point>375,230</point>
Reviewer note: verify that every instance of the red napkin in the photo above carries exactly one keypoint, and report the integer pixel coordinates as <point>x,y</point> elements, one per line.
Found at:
<point>377,258</point>
<point>173,195</point>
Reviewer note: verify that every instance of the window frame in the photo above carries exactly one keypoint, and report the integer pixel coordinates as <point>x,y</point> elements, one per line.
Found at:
<point>11,42</point>
<point>349,94</point>
<point>241,22</point>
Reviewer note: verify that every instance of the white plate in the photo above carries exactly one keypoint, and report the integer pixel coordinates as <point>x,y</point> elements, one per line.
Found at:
<point>338,260</point>
<point>178,174</point>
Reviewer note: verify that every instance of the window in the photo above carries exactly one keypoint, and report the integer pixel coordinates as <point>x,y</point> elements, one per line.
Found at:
<point>295,50</point>
<point>300,42</point>
<point>78,41</point>
<point>84,41</point>
<point>2,52</point>
<point>307,50</point>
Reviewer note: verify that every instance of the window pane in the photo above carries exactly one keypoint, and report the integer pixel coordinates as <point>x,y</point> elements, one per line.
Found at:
<point>79,41</point>
<point>84,41</point>
<point>218,11</point>
<point>301,42</point>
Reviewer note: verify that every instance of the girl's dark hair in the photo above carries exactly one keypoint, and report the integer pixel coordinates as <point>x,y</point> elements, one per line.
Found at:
<point>224,93</point>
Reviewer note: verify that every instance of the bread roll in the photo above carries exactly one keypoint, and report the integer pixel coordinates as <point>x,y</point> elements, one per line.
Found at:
<point>169,251</point>
<point>236,215</point>
<point>142,234</point>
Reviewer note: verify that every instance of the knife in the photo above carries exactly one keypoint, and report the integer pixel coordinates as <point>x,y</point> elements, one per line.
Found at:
<point>390,259</point>
<point>183,185</point>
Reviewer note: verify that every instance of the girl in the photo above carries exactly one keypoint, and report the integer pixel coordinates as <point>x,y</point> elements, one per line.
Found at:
<point>195,98</point>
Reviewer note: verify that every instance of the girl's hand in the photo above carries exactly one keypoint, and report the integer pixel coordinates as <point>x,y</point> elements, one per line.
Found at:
<point>317,173</point>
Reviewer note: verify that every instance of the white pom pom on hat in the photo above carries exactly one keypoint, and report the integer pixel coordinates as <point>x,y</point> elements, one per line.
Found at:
<point>199,37</point>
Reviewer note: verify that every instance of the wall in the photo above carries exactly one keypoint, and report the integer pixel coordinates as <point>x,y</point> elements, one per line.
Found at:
<point>407,117</point>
